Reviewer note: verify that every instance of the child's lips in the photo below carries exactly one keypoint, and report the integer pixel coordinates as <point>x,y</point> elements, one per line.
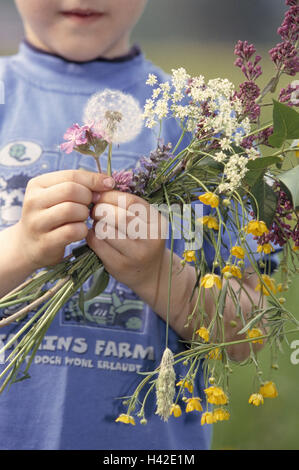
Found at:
<point>81,15</point>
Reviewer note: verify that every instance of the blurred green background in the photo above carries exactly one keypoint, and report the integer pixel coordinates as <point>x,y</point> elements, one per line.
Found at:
<point>200,35</point>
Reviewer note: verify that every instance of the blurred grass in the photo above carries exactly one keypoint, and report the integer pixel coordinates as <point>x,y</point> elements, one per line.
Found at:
<point>273,425</point>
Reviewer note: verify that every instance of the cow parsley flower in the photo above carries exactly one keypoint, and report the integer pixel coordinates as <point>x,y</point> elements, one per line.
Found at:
<point>114,115</point>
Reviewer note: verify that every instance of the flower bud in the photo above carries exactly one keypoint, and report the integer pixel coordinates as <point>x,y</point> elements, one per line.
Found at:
<point>227,275</point>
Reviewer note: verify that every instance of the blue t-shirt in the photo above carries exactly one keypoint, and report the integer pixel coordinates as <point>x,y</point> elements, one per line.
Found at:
<point>82,367</point>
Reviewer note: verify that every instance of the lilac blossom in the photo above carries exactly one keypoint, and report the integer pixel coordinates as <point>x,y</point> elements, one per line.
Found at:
<point>280,232</point>
<point>261,138</point>
<point>249,92</point>
<point>245,52</point>
<point>285,95</point>
<point>284,56</point>
<point>289,27</point>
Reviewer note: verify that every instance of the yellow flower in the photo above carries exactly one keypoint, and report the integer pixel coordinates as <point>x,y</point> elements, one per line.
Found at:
<point>127,419</point>
<point>238,252</point>
<point>270,285</point>
<point>269,390</point>
<point>186,384</point>
<point>256,227</point>
<point>203,333</point>
<point>209,280</point>
<point>189,256</point>
<point>209,221</point>
<point>295,248</point>
<point>220,414</point>
<point>193,404</point>
<point>233,270</point>
<point>297,151</point>
<point>255,333</point>
<point>207,418</point>
<point>216,395</point>
<point>175,410</point>
<point>256,399</point>
<point>267,248</point>
<point>215,354</point>
<point>210,199</point>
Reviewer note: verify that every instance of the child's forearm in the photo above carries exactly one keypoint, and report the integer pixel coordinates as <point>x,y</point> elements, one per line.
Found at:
<point>14,268</point>
<point>155,293</point>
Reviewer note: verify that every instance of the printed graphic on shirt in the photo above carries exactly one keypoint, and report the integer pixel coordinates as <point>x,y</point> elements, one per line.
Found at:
<point>12,191</point>
<point>19,162</point>
<point>20,153</point>
<point>116,308</point>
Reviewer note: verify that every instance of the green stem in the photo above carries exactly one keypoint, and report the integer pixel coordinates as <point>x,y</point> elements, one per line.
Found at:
<point>109,164</point>
<point>170,268</point>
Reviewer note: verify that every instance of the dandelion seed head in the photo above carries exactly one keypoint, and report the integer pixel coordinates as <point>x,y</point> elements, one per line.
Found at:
<point>115,115</point>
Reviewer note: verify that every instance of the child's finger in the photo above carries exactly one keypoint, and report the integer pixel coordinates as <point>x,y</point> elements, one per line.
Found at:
<point>122,199</point>
<point>108,254</point>
<point>65,192</point>
<point>96,182</point>
<point>122,208</point>
<point>61,214</point>
<point>66,234</point>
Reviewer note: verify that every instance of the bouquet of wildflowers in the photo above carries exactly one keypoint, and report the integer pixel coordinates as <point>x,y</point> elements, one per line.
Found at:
<point>244,170</point>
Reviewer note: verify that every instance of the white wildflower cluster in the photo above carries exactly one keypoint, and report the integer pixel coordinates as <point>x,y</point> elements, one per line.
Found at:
<point>192,101</point>
<point>234,171</point>
<point>114,115</point>
<point>253,153</point>
<point>165,385</point>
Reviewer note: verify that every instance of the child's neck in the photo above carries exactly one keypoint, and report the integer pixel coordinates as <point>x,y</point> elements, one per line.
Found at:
<point>133,52</point>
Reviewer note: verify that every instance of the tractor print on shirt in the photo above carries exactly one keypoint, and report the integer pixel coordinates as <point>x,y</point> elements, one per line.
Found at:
<point>117,307</point>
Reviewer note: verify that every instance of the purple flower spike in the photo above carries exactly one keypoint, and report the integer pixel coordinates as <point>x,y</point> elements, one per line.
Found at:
<point>245,52</point>
<point>284,55</point>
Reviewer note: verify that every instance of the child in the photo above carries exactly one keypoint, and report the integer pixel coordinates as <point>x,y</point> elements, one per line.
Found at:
<point>82,369</point>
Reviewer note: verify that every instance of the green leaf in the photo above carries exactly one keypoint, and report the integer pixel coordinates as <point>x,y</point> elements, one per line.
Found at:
<point>209,162</point>
<point>254,320</point>
<point>266,200</point>
<point>290,180</point>
<point>99,283</point>
<point>252,176</point>
<point>262,162</point>
<point>285,122</point>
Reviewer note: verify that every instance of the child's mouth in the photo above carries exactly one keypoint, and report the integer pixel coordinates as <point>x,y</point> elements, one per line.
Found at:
<point>82,15</point>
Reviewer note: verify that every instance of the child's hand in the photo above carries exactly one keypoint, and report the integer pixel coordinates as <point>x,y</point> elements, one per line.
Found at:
<point>135,262</point>
<point>54,212</point>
